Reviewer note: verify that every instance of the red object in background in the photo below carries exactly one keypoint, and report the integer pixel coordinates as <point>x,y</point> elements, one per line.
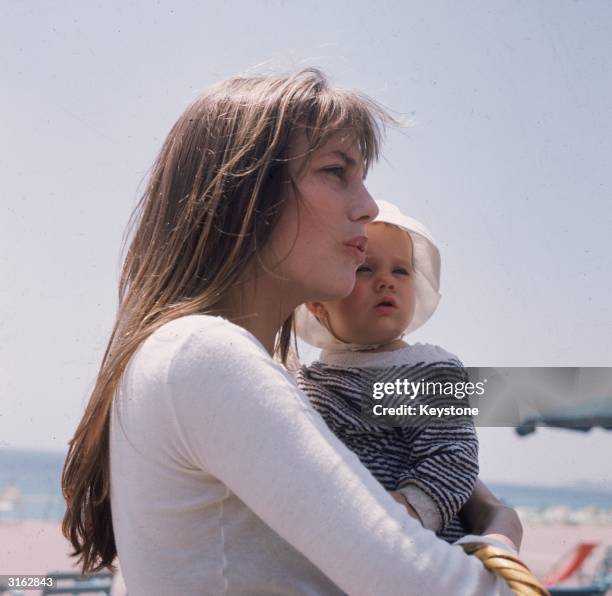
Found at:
<point>569,564</point>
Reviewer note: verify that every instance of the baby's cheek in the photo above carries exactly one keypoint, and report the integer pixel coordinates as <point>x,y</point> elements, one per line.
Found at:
<point>359,294</point>
<point>352,321</point>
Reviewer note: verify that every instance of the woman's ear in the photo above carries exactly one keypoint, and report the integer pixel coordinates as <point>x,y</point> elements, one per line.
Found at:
<point>317,309</point>
<point>320,312</point>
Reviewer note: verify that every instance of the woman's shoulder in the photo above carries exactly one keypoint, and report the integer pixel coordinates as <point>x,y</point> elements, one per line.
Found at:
<point>200,343</point>
<point>204,332</point>
<point>212,326</point>
<point>199,363</point>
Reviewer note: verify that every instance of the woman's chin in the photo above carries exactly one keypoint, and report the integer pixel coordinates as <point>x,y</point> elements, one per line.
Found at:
<point>337,289</point>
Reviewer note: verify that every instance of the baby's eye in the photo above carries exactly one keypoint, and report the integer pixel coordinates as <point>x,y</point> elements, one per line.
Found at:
<point>401,271</point>
<point>364,269</point>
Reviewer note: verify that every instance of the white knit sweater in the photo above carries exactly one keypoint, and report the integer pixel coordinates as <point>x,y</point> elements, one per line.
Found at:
<point>224,480</point>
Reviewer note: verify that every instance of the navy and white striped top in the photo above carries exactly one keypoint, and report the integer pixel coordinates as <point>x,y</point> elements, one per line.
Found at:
<point>434,464</point>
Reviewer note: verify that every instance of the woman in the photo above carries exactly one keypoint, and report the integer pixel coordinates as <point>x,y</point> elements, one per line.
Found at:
<point>197,459</point>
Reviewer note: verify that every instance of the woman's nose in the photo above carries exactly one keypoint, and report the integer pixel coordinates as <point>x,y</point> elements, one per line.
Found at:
<point>364,208</point>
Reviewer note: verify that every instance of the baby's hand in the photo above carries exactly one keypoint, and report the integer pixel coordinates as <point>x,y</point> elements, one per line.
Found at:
<point>401,499</point>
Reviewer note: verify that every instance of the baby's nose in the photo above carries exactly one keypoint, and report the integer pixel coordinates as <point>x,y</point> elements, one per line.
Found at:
<point>385,283</point>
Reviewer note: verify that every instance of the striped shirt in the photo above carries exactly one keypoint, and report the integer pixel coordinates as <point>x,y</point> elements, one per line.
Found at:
<point>432,462</point>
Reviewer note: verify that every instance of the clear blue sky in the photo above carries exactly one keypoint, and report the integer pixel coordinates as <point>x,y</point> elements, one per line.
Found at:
<point>507,160</point>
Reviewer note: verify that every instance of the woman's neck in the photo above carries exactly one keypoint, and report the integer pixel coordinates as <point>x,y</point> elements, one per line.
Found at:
<point>260,305</point>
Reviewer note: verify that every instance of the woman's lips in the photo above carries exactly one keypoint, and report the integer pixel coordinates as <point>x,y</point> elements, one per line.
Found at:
<point>356,252</point>
<point>357,247</point>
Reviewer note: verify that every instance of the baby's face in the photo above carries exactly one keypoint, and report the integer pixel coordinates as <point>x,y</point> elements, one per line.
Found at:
<point>382,303</point>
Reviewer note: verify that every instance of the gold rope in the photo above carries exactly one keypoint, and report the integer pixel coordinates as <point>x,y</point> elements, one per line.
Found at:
<point>515,573</point>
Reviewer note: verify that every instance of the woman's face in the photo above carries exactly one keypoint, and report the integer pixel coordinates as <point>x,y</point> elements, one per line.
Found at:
<point>320,238</point>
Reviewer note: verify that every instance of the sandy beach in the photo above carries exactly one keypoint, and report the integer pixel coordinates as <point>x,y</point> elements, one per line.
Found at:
<point>32,547</point>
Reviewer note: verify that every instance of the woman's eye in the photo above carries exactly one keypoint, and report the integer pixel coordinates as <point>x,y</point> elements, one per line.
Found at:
<point>335,171</point>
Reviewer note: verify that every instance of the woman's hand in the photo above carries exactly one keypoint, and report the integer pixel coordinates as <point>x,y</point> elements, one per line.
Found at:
<point>486,515</point>
<point>401,499</point>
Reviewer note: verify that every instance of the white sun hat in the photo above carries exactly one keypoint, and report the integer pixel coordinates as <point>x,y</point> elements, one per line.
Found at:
<point>426,263</point>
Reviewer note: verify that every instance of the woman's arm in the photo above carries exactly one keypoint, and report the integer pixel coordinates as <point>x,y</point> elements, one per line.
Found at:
<point>243,420</point>
<point>486,515</point>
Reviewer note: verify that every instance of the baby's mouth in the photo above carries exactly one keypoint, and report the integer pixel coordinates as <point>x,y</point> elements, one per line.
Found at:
<point>386,305</point>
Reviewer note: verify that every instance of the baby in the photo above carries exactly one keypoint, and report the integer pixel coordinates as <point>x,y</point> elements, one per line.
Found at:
<point>433,466</point>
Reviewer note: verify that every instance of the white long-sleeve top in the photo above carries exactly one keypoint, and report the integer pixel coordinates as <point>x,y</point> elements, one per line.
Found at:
<point>224,480</point>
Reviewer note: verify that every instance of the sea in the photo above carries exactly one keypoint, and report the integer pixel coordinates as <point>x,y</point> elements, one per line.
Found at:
<point>30,490</point>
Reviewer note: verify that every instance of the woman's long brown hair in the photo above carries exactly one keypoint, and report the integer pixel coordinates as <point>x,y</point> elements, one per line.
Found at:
<point>212,200</point>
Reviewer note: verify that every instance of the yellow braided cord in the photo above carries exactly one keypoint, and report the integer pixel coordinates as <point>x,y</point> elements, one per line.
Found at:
<point>514,572</point>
